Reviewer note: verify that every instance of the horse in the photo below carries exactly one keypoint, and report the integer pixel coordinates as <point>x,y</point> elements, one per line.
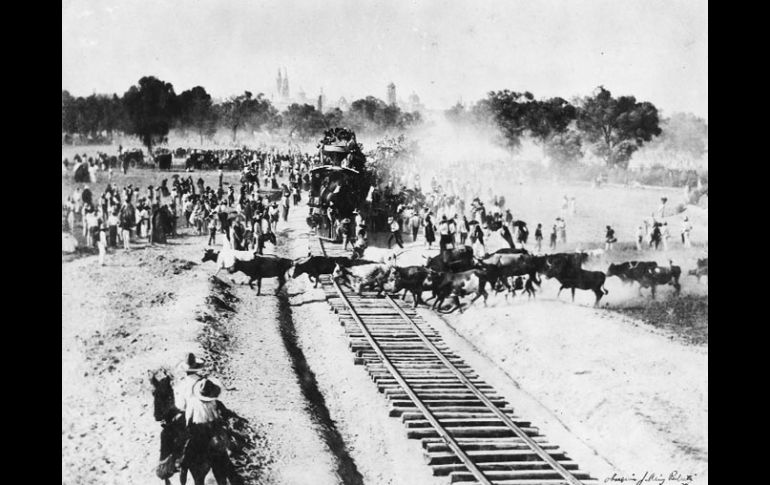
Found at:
<point>175,441</point>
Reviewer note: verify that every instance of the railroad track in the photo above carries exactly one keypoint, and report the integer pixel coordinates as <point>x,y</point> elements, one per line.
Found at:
<point>470,433</point>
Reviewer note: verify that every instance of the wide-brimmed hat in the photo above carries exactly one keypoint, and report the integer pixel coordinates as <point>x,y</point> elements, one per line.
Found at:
<point>208,389</point>
<point>191,364</point>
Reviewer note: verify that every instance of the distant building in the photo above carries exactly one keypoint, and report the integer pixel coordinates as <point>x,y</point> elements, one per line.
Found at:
<point>414,103</point>
<point>343,104</point>
<point>282,98</point>
<point>321,101</point>
<point>391,95</point>
<point>285,85</point>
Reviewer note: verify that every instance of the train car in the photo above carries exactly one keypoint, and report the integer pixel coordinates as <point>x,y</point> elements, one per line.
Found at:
<point>340,181</point>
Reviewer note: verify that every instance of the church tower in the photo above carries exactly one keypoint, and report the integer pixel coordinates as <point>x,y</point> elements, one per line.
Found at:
<point>285,86</point>
<point>391,95</point>
<point>279,83</point>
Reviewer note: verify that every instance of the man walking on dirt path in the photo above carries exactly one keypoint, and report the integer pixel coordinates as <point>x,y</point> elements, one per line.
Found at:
<point>395,233</point>
<point>102,243</point>
<point>686,229</point>
<point>610,239</point>
<point>539,238</point>
<point>563,230</point>
<point>285,206</point>
<point>554,231</point>
<point>444,234</point>
<point>212,227</point>
<point>414,224</point>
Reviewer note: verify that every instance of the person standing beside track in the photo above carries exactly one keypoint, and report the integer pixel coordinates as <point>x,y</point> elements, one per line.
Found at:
<point>395,232</point>
<point>463,229</point>
<point>414,224</point>
<point>430,234</point>
<point>445,236</point>
<point>539,238</point>
<point>285,205</point>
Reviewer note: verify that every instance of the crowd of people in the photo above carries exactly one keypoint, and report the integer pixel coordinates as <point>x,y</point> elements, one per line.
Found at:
<point>443,211</point>
<point>440,208</point>
<point>121,215</point>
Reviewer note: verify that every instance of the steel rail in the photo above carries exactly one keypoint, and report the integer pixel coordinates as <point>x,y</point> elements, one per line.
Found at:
<point>443,433</point>
<point>483,398</point>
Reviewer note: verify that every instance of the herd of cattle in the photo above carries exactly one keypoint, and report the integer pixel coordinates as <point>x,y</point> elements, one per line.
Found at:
<point>455,273</point>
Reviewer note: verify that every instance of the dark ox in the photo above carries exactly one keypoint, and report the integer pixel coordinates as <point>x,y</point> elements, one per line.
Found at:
<point>499,267</point>
<point>257,268</point>
<point>662,275</point>
<point>631,271</point>
<point>648,274</point>
<point>702,269</point>
<point>410,279</point>
<point>577,279</point>
<point>456,285</point>
<point>365,276</point>
<point>314,266</point>
<point>564,262</point>
<point>519,284</point>
<point>452,260</point>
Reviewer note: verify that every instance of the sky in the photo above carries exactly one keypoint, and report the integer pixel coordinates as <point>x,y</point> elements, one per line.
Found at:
<point>444,51</point>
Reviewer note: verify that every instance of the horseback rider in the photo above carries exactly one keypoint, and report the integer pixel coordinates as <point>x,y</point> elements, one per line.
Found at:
<point>196,397</point>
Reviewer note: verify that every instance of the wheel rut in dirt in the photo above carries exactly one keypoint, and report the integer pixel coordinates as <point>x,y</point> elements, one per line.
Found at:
<point>315,403</point>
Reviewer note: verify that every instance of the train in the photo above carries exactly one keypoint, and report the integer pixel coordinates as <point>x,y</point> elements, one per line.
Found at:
<point>341,180</point>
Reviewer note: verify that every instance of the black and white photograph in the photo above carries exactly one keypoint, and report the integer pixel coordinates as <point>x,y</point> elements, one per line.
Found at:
<point>362,242</point>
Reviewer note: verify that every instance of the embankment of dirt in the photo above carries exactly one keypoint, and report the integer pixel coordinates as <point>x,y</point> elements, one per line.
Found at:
<point>118,322</point>
<point>144,310</point>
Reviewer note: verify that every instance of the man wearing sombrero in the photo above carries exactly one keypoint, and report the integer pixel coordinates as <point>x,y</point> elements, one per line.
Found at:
<point>197,397</point>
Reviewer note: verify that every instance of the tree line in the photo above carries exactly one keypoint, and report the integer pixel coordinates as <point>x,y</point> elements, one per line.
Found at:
<point>150,109</point>
<point>613,128</point>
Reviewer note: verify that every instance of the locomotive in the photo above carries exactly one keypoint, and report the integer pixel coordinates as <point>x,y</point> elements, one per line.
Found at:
<point>341,180</point>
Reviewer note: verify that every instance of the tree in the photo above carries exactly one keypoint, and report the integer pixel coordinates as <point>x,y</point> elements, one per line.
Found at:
<point>151,107</point>
<point>304,120</point>
<point>509,110</point>
<point>617,127</point>
<point>548,118</point>
<point>363,113</point>
<point>333,117</point>
<point>456,114</point>
<point>113,114</point>
<point>246,110</point>
<point>196,111</point>
<point>68,113</point>
<point>564,148</point>
<point>370,114</point>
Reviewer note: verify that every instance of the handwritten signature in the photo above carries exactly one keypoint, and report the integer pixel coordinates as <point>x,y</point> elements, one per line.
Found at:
<point>673,478</point>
